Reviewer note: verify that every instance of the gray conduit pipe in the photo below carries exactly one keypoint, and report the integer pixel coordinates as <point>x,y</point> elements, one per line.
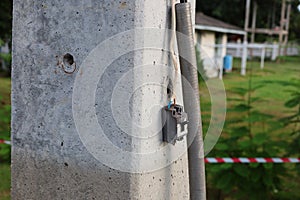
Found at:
<point>188,66</point>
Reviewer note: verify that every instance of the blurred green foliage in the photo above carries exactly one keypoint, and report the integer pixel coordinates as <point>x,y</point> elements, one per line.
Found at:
<point>5,19</point>
<point>4,132</point>
<point>4,181</point>
<point>293,120</point>
<point>5,110</point>
<point>268,15</point>
<point>262,121</point>
<point>240,140</point>
<point>6,57</point>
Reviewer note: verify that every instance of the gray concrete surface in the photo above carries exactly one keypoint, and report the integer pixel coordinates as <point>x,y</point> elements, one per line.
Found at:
<point>49,160</point>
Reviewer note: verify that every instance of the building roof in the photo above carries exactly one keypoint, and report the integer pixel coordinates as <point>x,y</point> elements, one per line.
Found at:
<point>204,22</point>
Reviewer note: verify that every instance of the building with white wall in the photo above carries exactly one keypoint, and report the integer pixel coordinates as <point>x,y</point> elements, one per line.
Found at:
<point>211,36</point>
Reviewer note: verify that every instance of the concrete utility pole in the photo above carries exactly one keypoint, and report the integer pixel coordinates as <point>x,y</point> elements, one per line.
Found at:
<point>245,43</point>
<point>66,104</point>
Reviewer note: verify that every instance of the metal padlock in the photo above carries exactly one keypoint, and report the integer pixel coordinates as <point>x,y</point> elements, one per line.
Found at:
<point>175,122</point>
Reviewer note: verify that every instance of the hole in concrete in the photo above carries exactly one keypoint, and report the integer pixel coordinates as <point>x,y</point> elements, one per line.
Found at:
<point>68,59</point>
<point>66,164</point>
<point>68,64</point>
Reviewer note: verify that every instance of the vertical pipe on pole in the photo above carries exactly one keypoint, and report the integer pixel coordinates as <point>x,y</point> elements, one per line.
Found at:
<point>244,58</point>
<point>189,72</point>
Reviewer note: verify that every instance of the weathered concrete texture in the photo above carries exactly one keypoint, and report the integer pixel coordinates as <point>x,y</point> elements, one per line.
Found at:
<point>49,160</point>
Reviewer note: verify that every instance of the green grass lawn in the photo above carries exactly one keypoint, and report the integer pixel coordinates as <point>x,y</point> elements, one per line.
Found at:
<point>4,134</point>
<point>273,92</point>
<point>4,181</point>
<point>5,84</point>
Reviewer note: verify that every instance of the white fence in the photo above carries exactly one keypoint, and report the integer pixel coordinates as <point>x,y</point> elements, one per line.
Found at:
<point>255,50</point>
<point>292,49</point>
<point>213,64</point>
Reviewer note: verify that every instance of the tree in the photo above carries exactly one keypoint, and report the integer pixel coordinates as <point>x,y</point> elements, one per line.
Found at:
<point>220,10</point>
<point>268,16</point>
<point>5,19</point>
<point>295,22</point>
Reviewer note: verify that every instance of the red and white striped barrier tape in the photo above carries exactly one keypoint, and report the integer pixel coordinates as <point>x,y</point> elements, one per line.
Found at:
<point>4,142</point>
<point>232,160</point>
<point>252,160</point>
